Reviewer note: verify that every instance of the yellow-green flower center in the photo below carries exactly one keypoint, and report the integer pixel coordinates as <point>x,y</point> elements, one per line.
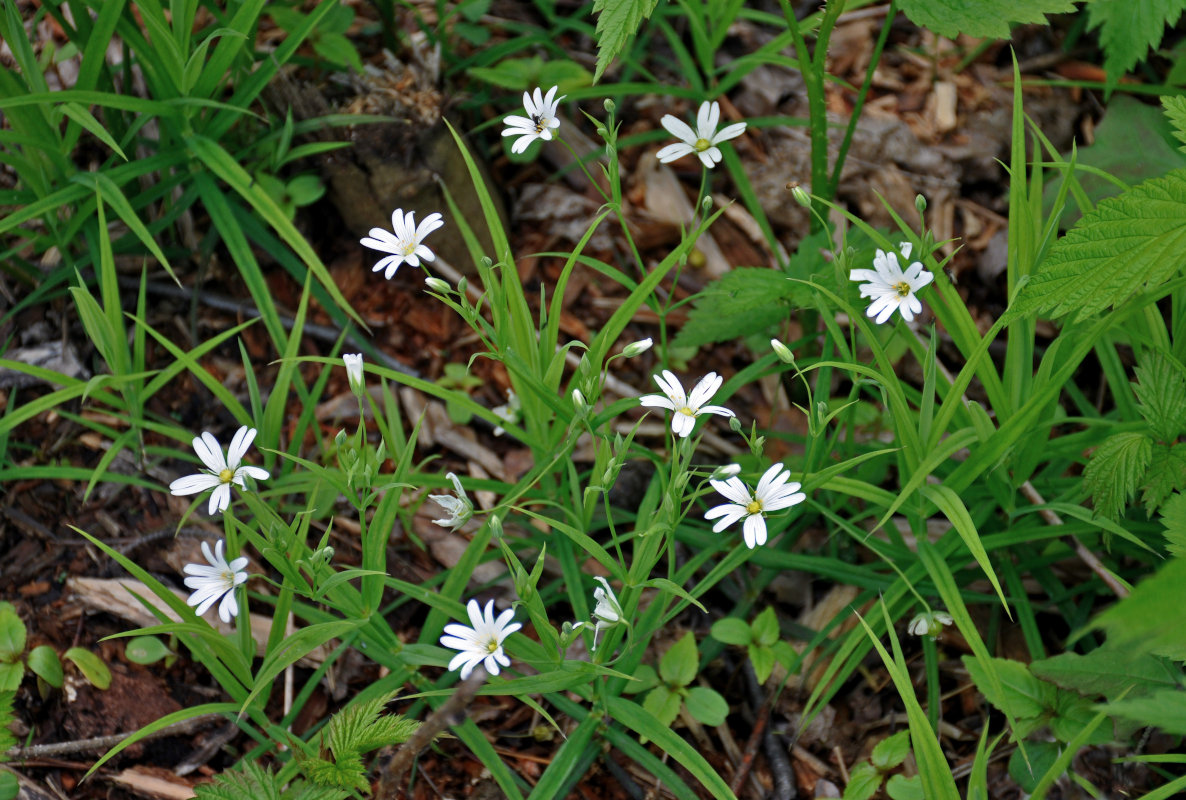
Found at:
<point>407,248</point>
<point>686,411</point>
<point>492,645</point>
<point>226,476</point>
<point>702,145</point>
<point>754,506</point>
<point>902,288</point>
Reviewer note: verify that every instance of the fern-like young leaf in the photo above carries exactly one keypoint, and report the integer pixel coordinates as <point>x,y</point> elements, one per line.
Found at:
<point>351,733</point>
<point>250,781</point>
<point>617,21</point>
<point>1116,469</point>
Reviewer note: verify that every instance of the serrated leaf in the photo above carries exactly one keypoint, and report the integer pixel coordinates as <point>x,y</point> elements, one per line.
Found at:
<point>44,663</point>
<point>745,300</point>
<point>1115,471</point>
<point>731,630</point>
<point>1023,696</point>
<point>706,705</point>
<point>1139,622</point>
<point>1173,517</point>
<point>90,665</point>
<point>1108,670</point>
<point>679,665</point>
<point>1175,112</point>
<point>1128,242</point>
<point>1161,390</point>
<point>617,21</point>
<point>360,728</point>
<point>7,717</point>
<point>247,781</point>
<point>1165,709</point>
<point>979,18</point>
<point>663,704</point>
<point>1128,30</point>
<point>891,751</point>
<point>1166,475</point>
<point>863,782</point>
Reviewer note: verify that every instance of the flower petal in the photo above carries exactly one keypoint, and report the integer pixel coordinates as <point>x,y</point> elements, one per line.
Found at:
<point>192,484</point>
<point>679,129</point>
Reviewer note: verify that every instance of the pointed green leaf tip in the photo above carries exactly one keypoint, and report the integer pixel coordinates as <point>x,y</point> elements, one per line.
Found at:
<point>1128,30</point>
<point>617,21</point>
<point>1129,242</point>
<point>977,18</point>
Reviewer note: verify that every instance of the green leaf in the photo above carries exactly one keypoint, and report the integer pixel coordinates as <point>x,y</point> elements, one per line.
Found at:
<point>978,18</point>
<point>11,676</point>
<point>1164,709</point>
<point>91,666</point>
<point>1127,242</point>
<point>248,779</point>
<point>1175,112</point>
<point>863,782</point>
<point>1161,392</point>
<point>1108,670</point>
<point>1128,30</point>
<point>44,663</point>
<point>1115,471</point>
<point>521,74</point>
<point>1139,622</point>
<point>731,630</point>
<point>681,662</point>
<point>645,678</point>
<point>1073,716</point>
<point>617,21</point>
<point>663,704</point>
<point>706,705</point>
<point>899,787</point>
<point>1042,756</point>
<point>146,650</point>
<point>361,728</point>
<point>671,587</point>
<point>745,300</point>
<point>7,717</point>
<point>762,659</point>
<point>891,751</point>
<point>12,633</point>
<point>10,787</point>
<point>1173,517</point>
<point>765,627</point>
<point>1022,695</point>
<point>1166,475</point>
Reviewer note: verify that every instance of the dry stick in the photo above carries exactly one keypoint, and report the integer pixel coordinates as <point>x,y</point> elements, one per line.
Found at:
<point>99,743</point>
<point>451,712</point>
<point>1051,518</point>
<point>776,756</point>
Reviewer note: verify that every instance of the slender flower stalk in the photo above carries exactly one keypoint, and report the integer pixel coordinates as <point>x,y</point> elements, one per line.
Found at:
<point>222,470</point>
<point>481,643</point>
<point>686,407</point>
<point>773,493</point>
<point>215,581</point>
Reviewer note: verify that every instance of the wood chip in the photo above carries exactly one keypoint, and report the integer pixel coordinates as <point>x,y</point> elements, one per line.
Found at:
<point>137,780</point>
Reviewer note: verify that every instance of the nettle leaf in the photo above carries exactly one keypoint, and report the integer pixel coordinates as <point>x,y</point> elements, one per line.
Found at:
<point>1023,696</point>
<point>977,18</point>
<point>1175,112</point>
<point>1166,475</point>
<point>1115,471</point>
<point>1139,622</point>
<point>1108,670</point>
<point>249,780</point>
<point>1128,242</point>
<point>1165,709</point>
<point>1173,517</point>
<point>617,21</point>
<point>1161,390</point>
<point>360,729</point>
<point>7,737</point>
<point>1128,30</point>
<point>744,301</point>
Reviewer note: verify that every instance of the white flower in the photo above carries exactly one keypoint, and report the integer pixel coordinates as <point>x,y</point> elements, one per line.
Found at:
<point>217,580</point>
<point>353,363</point>
<point>405,243</point>
<point>890,287</point>
<point>482,642</point>
<point>508,412</point>
<point>704,140</point>
<point>773,494</point>
<point>929,623</point>
<point>782,351</point>
<point>459,509</point>
<point>540,121</point>
<point>686,407</point>
<point>607,612</point>
<point>726,471</point>
<point>222,471</point>
<point>637,348</point>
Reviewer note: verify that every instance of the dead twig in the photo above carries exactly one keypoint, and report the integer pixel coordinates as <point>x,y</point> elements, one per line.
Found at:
<point>101,743</point>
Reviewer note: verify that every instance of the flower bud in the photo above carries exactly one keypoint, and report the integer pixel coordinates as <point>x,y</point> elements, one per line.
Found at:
<point>801,196</point>
<point>920,203</point>
<point>726,472</point>
<point>706,203</point>
<point>579,403</point>
<point>637,348</point>
<point>782,351</point>
<point>437,285</point>
<point>735,424</point>
<point>609,105</point>
<point>353,363</point>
